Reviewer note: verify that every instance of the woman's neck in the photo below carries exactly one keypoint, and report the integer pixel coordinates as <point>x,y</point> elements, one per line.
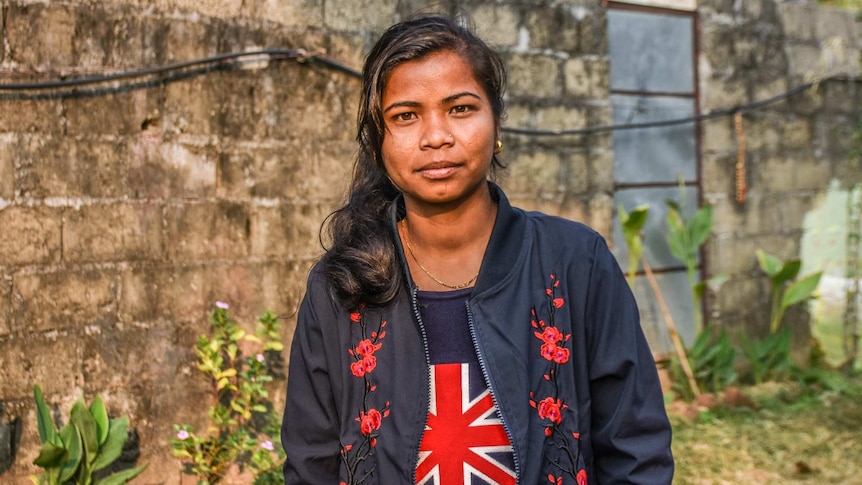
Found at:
<point>443,230</point>
<point>445,249</point>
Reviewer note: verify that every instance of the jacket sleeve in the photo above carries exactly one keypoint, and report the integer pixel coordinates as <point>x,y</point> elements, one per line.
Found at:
<point>631,433</point>
<point>310,430</point>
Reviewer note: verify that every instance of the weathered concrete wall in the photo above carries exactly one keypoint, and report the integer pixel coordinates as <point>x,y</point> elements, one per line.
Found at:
<point>751,51</point>
<point>124,216</point>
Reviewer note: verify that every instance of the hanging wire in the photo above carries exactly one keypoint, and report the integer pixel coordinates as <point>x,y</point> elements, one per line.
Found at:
<point>89,86</point>
<point>160,75</point>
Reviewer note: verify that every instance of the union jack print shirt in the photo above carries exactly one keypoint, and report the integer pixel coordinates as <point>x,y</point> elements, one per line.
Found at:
<point>464,442</point>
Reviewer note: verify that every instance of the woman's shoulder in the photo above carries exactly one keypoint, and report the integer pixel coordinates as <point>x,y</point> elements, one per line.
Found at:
<point>551,225</point>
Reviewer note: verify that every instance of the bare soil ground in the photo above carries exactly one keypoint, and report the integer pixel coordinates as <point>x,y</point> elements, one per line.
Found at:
<point>793,434</point>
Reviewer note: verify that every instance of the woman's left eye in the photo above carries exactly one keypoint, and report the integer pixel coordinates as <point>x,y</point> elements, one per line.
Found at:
<point>461,109</point>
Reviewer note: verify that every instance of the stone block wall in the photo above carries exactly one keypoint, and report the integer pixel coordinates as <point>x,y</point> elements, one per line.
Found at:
<point>125,215</point>
<point>794,149</point>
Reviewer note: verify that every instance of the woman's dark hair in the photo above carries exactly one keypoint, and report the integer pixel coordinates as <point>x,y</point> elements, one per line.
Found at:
<point>362,263</point>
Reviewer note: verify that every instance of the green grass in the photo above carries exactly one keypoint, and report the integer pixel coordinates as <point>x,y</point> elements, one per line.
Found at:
<point>797,435</point>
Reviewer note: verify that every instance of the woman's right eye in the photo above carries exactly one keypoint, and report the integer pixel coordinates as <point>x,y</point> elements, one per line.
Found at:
<point>406,116</point>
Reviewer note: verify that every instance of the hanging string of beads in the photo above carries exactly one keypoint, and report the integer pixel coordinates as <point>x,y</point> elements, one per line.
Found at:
<point>741,187</point>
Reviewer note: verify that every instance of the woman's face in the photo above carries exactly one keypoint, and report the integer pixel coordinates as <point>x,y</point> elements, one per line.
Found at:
<point>440,131</point>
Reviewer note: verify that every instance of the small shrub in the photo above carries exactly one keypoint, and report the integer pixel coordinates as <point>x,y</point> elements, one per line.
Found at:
<point>784,293</point>
<point>769,358</point>
<point>712,359</point>
<point>243,428</point>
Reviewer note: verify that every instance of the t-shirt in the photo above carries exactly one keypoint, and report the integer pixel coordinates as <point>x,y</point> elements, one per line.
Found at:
<point>464,442</point>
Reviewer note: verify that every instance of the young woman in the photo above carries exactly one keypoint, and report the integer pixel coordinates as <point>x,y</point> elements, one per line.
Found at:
<point>447,337</point>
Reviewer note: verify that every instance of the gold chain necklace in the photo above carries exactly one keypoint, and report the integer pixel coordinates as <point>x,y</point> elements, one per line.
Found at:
<point>436,280</point>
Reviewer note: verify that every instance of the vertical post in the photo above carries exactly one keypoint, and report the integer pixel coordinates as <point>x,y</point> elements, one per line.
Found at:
<point>851,311</point>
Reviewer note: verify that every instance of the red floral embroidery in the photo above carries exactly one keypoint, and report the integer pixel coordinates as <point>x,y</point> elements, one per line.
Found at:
<point>551,408</point>
<point>370,418</point>
<point>368,423</point>
<point>551,335</point>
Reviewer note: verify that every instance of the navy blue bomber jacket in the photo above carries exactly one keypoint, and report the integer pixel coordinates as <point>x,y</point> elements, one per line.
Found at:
<point>557,333</point>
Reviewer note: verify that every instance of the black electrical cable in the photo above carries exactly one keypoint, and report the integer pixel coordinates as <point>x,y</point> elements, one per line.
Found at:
<point>299,55</point>
<point>661,123</point>
<point>185,70</point>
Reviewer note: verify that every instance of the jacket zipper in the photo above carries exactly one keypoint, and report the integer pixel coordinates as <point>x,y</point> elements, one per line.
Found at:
<point>484,368</point>
<point>414,302</point>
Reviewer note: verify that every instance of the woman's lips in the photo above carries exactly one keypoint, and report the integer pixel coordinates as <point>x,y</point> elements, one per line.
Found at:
<point>438,170</point>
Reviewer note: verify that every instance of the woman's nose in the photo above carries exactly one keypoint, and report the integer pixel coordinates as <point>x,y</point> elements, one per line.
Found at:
<point>437,134</point>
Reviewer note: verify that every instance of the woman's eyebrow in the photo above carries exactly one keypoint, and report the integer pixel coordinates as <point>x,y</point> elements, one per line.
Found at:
<point>400,104</point>
<point>454,97</point>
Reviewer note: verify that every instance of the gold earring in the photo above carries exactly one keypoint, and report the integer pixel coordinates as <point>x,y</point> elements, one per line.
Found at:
<point>498,149</point>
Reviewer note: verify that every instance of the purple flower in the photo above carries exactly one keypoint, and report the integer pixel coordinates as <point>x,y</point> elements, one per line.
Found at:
<point>267,445</point>
<point>222,305</point>
<point>183,435</point>
<point>260,358</point>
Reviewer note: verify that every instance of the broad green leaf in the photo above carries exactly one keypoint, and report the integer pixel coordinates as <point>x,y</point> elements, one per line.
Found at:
<point>118,432</point>
<point>83,420</point>
<point>100,414</point>
<point>788,272</point>
<point>676,243</point>
<point>768,263</point>
<point>801,290</point>
<point>635,221</point>
<point>700,226</point>
<point>50,455</point>
<point>122,477</point>
<point>72,441</point>
<point>43,416</point>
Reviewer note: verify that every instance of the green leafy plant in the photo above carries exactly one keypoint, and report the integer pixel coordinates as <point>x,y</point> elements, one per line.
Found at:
<point>631,224</point>
<point>712,359</point>
<point>685,237</point>
<point>89,442</point>
<point>784,295</point>
<point>243,429</point>
<point>769,358</point>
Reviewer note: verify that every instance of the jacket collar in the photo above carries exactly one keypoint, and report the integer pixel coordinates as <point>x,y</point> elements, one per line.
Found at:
<point>504,247</point>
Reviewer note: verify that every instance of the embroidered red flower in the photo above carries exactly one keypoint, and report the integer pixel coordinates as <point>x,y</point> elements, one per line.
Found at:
<point>364,366</point>
<point>551,409</point>
<point>582,477</point>
<point>558,302</point>
<point>561,355</point>
<point>370,362</point>
<point>366,347</point>
<point>355,317</point>
<point>370,422</point>
<point>548,351</point>
<point>550,335</point>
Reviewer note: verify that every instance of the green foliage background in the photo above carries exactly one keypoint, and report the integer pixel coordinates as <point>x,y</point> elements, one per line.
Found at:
<point>851,4</point>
